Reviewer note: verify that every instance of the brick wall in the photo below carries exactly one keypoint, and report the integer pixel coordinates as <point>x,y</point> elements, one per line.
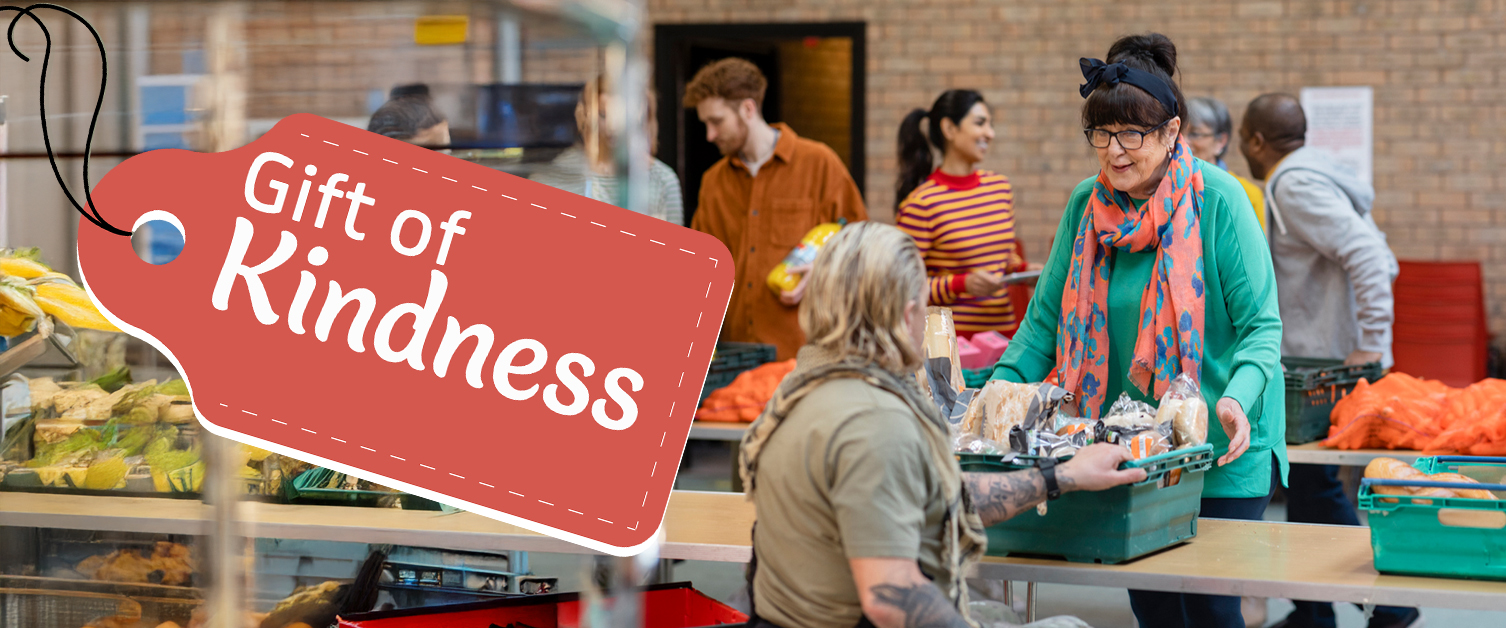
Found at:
<point>1440,97</point>
<point>816,80</point>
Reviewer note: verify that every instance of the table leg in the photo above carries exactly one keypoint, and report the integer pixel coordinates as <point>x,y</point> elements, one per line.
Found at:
<point>1029,602</point>
<point>1009,594</point>
<point>737,476</point>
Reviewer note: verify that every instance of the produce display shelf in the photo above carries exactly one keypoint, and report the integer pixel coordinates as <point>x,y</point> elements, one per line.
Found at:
<point>1316,453</point>
<point>699,525</point>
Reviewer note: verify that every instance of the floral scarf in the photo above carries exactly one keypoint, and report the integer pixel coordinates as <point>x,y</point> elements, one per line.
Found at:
<point>1170,339</point>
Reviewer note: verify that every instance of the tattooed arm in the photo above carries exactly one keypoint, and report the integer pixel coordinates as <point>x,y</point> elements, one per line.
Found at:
<point>895,595</point>
<point>1000,496</point>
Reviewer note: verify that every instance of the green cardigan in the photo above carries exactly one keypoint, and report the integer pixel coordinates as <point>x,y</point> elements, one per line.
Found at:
<point>1241,327</point>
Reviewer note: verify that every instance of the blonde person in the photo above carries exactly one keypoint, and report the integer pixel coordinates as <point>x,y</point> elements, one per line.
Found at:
<point>864,517</point>
<point>1161,269</point>
<point>589,168</point>
<point>1210,131</point>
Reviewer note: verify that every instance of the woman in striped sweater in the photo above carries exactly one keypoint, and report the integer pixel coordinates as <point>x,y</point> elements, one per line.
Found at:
<point>962,218</point>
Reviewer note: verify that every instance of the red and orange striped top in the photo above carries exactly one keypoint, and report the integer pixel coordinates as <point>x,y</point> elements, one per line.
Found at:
<point>963,224</point>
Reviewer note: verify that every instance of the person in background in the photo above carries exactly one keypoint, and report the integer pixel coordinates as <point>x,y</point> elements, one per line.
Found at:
<point>409,115</point>
<point>1209,135</point>
<point>1161,269</point>
<point>962,218</point>
<point>864,516</point>
<point>588,168</point>
<point>770,187</point>
<point>1333,274</point>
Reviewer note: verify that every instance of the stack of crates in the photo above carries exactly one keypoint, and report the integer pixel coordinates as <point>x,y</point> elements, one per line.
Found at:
<point>1440,330</point>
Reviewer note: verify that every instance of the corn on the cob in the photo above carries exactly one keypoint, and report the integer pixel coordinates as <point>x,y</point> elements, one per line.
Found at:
<point>23,268</point>
<point>70,304</point>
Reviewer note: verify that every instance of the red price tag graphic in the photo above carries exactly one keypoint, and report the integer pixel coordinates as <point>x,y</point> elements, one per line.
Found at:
<point>426,323</point>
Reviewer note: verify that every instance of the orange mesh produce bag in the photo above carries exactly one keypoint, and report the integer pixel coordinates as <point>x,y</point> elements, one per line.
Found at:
<point>743,400</point>
<point>1403,412</point>
<point>1397,412</point>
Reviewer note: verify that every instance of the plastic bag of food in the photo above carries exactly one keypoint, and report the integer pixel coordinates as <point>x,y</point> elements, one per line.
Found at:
<point>940,344</point>
<point>976,414</point>
<point>1128,414</point>
<point>780,279</point>
<point>956,415</point>
<point>1147,443</point>
<point>974,444</point>
<point>1027,406</point>
<point>1184,408</point>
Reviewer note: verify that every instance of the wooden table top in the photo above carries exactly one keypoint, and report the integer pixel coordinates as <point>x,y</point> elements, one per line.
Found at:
<point>1316,453</point>
<point>717,430</point>
<point>1266,559</point>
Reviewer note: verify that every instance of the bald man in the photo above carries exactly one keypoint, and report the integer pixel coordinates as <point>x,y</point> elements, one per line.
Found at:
<point>1333,282</point>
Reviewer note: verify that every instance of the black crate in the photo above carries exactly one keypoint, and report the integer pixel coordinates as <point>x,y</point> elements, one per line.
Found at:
<point>732,358</point>
<point>1313,386</point>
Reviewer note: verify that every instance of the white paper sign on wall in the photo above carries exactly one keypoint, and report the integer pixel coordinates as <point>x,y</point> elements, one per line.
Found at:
<point>1340,122</point>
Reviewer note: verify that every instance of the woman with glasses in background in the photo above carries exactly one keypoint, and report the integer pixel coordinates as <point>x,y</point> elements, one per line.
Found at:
<point>1209,130</point>
<point>1167,272</point>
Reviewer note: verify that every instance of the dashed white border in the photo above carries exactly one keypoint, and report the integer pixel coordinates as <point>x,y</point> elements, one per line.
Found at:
<point>527,523</point>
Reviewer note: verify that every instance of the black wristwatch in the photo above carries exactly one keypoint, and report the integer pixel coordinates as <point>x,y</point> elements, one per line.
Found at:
<point>1048,473</point>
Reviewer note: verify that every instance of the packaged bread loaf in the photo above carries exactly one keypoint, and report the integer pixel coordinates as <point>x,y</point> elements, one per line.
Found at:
<point>940,342</point>
<point>1027,406</point>
<point>977,410</point>
<point>1184,408</point>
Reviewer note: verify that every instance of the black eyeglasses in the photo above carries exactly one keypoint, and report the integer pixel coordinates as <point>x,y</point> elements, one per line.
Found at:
<point>1128,140</point>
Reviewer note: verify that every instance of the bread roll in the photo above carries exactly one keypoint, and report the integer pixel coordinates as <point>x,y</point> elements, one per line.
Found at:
<point>1462,492</point>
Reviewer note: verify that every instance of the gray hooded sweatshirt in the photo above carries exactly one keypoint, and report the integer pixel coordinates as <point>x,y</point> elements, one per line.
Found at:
<point>1334,269</point>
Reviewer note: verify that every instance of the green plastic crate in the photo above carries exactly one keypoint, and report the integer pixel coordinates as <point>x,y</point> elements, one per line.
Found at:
<point>1111,526</point>
<point>1410,538</point>
<point>1313,386</point>
<point>307,488</point>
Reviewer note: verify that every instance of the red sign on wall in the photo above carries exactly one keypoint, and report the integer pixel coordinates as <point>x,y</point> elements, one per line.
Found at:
<point>426,323</point>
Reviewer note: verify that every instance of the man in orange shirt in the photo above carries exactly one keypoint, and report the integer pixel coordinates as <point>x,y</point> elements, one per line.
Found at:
<point>770,187</point>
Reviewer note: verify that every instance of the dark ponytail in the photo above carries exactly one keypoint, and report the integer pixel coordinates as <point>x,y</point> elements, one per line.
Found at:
<point>916,161</point>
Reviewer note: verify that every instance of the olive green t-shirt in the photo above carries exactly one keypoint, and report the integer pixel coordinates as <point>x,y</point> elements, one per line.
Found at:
<point>846,475</point>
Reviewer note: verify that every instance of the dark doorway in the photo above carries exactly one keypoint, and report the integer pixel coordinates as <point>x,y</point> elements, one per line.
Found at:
<point>816,85</point>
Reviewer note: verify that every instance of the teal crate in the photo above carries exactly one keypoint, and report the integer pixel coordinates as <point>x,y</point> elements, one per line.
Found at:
<point>1111,526</point>
<point>307,488</point>
<point>976,378</point>
<point>1313,386</point>
<point>1450,537</point>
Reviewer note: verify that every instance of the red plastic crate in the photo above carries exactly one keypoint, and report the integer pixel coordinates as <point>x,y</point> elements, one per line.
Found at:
<point>1440,330</point>
<point>664,606</point>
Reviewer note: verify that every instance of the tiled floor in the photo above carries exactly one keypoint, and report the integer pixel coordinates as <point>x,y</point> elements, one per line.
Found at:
<point>710,469</point>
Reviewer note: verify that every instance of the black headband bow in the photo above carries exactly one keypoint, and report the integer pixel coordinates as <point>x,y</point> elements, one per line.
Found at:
<point>1098,73</point>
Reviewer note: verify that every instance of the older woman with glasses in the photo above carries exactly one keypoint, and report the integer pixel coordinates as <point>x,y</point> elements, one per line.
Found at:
<point>1161,269</point>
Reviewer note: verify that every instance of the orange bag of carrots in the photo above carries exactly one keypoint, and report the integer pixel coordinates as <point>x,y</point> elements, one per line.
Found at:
<point>744,399</point>
<point>1397,412</point>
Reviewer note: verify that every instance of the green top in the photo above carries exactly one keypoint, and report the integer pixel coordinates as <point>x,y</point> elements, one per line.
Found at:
<point>1241,328</point>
